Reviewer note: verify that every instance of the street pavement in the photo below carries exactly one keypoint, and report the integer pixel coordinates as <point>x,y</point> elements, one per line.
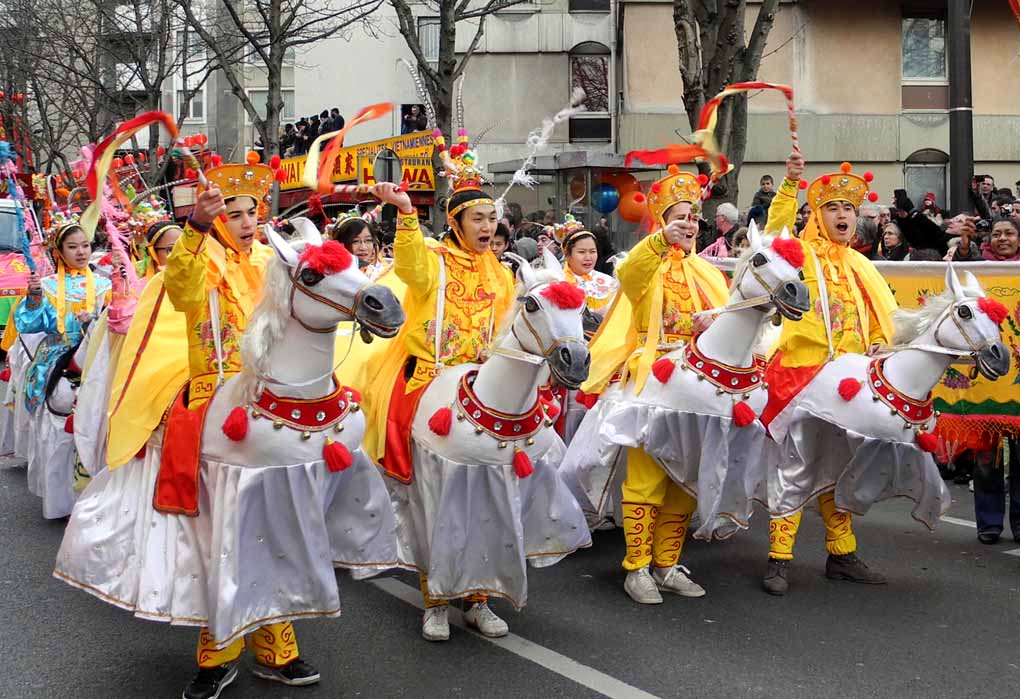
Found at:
<point>946,625</point>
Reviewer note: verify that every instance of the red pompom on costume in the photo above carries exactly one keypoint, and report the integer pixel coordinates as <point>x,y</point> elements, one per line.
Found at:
<point>848,388</point>
<point>441,421</point>
<point>790,250</point>
<point>336,455</point>
<point>522,464</point>
<point>927,441</point>
<point>329,258</point>
<point>663,369</point>
<point>235,427</point>
<point>993,309</point>
<point>743,414</point>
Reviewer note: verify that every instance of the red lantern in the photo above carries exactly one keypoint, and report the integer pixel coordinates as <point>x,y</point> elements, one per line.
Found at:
<point>118,163</point>
<point>129,159</point>
<point>274,162</point>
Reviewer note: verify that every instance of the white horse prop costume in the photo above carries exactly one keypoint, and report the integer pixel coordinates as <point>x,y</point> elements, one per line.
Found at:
<point>862,426</point>
<point>285,492</point>
<point>698,423</point>
<point>486,495</point>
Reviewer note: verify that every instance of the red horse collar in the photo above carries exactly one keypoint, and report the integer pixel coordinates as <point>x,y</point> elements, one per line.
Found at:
<point>913,411</point>
<point>308,415</point>
<point>725,377</point>
<point>502,426</point>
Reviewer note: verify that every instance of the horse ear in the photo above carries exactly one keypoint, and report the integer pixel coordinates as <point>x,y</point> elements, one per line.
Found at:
<point>953,283</point>
<point>307,230</point>
<point>525,273</point>
<point>785,235</point>
<point>551,264</point>
<point>753,237</point>
<point>971,284</point>
<point>283,249</point>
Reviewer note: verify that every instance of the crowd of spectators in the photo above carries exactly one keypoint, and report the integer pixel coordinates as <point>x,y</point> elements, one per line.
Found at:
<point>297,137</point>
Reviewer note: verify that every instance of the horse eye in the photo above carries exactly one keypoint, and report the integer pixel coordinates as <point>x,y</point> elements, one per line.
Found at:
<point>530,304</point>
<point>965,312</point>
<point>309,277</point>
<point>759,259</point>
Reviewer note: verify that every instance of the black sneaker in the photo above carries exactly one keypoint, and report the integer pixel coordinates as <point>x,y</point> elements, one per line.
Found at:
<point>775,582</point>
<point>210,681</point>
<point>296,673</point>
<point>853,569</point>
<point>988,537</point>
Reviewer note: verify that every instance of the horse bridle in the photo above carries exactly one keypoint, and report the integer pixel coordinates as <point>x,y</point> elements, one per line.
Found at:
<point>938,348</point>
<point>770,297</point>
<point>295,286</point>
<point>544,351</point>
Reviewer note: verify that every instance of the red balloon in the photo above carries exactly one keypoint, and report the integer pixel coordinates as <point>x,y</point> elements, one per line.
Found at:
<point>274,162</point>
<point>129,159</point>
<point>143,156</point>
<point>118,163</point>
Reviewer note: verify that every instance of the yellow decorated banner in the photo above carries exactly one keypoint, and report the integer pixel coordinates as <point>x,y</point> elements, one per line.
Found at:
<point>414,149</point>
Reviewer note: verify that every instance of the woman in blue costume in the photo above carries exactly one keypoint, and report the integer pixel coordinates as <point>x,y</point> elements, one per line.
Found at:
<point>60,305</point>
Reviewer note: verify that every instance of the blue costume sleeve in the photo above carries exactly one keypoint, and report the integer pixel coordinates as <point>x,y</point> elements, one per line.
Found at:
<point>41,319</point>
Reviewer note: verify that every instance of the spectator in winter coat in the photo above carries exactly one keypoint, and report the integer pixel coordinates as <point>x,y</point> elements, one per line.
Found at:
<point>765,194</point>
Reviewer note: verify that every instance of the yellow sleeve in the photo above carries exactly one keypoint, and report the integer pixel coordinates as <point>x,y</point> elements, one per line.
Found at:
<point>783,210</point>
<point>412,261</point>
<point>638,271</point>
<point>185,274</point>
<point>875,334</point>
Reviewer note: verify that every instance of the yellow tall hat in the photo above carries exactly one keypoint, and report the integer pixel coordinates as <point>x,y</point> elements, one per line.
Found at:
<point>243,180</point>
<point>678,186</point>
<point>841,186</point>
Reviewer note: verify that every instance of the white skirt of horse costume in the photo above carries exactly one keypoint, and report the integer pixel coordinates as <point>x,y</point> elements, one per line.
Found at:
<point>51,470</point>
<point>262,549</point>
<point>91,420</point>
<point>7,396</point>
<point>19,361</point>
<point>716,462</point>
<point>863,463</point>
<point>471,528</point>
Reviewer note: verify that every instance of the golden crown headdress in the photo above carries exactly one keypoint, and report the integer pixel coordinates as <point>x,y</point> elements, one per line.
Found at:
<point>568,230</point>
<point>460,163</point>
<point>243,180</point>
<point>841,186</point>
<point>370,216</point>
<point>60,222</point>
<point>678,186</point>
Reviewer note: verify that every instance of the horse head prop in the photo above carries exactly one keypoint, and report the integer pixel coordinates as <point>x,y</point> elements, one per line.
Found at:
<point>769,275</point>
<point>962,322</point>
<point>548,321</point>
<point>326,287</point>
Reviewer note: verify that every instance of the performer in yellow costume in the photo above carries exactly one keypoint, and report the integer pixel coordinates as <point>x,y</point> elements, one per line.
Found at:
<point>851,313</point>
<point>666,283</point>
<point>460,281</point>
<point>214,277</point>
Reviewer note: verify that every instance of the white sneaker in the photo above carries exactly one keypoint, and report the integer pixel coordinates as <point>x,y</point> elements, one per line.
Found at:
<point>641,587</point>
<point>675,580</point>
<point>480,617</point>
<point>435,626</point>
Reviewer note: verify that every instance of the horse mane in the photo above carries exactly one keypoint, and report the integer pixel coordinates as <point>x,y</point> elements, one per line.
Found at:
<point>266,327</point>
<point>542,276</point>
<point>910,324</point>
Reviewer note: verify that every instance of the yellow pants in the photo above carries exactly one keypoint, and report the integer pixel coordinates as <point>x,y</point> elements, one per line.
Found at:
<point>431,601</point>
<point>839,534</point>
<point>656,512</point>
<point>273,645</point>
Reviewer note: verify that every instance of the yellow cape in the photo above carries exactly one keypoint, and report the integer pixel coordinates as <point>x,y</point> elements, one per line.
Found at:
<point>617,337</point>
<point>151,368</point>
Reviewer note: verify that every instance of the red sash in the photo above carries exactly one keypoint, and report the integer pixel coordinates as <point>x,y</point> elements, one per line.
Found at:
<point>177,483</point>
<point>396,461</point>
<point>784,383</point>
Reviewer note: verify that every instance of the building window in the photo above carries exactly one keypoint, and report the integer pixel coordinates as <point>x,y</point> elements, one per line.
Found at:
<point>926,171</point>
<point>255,58</point>
<point>589,70</point>
<point>924,48</point>
<point>196,108</point>
<point>259,97</point>
<point>428,37</point>
<point>589,6</point>
<point>190,45</point>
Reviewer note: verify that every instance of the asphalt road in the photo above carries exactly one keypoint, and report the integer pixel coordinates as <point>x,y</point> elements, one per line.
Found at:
<point>946,626</point>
